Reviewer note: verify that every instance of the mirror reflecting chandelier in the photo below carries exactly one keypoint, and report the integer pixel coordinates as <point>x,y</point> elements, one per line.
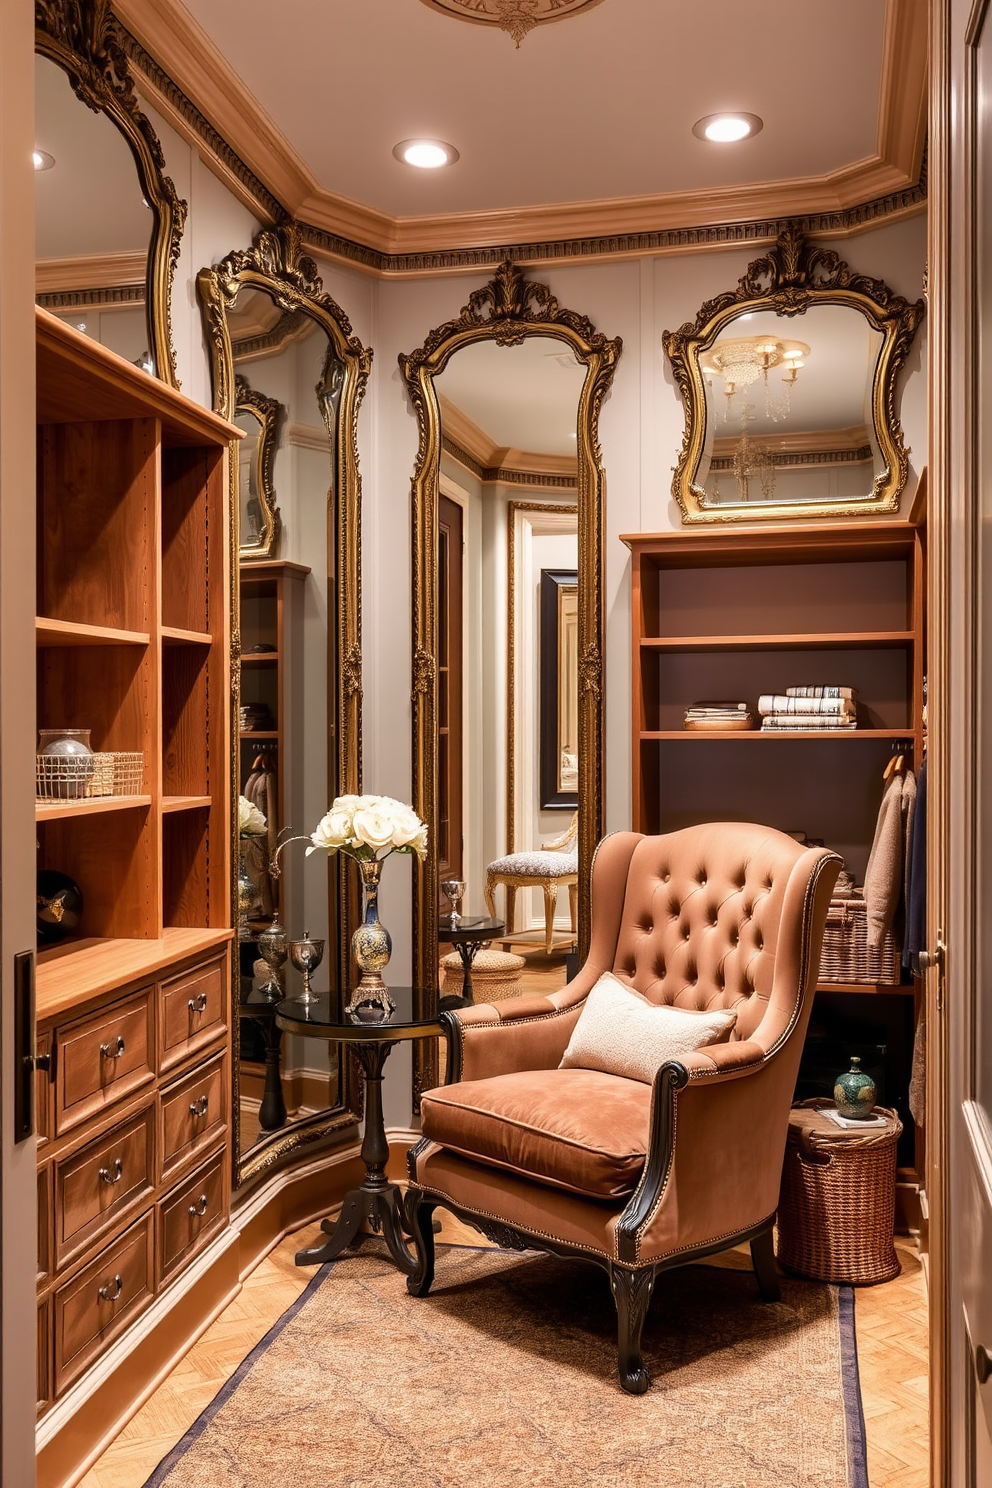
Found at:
<point>740,361</point>
<point>517,17</point>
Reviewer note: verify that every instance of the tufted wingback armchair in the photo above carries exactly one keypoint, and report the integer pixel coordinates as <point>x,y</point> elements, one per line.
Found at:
<point>639,1177</point>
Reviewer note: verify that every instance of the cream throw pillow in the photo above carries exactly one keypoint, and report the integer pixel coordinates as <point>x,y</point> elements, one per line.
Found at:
<point>622,1033</point>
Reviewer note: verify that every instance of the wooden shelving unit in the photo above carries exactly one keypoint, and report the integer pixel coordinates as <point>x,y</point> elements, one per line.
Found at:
<point>133,600</point>
<point>732,613</point>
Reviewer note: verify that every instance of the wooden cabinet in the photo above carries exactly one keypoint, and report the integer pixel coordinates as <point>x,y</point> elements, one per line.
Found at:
<point>730,614</point>
<point>134,603</point>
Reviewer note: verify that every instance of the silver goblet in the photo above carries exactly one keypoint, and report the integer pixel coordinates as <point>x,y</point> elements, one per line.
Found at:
<point>306,955</point>
<point>453,890</point>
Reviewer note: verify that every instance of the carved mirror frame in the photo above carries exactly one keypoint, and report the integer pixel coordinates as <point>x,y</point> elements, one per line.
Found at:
<point>506,310</point>
<point>86,42</point>
<point>267,413</point>
<point>276,266</point>
<point>790,278</point>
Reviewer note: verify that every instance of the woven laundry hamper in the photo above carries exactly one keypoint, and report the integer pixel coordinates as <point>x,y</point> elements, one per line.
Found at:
<point>836,1210</point>
<point>495,975</point>
<point>846,957</point>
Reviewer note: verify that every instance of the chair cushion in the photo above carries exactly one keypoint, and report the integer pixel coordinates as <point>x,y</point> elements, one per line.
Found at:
<point>577,1129</point>
<point>622,1033</point>
<point>536,864</point>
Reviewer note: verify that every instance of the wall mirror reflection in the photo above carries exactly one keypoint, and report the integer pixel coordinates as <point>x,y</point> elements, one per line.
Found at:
<point>107,217</point>
<point>789,384</point>
<point>509,485</point>
<point>284,357</point>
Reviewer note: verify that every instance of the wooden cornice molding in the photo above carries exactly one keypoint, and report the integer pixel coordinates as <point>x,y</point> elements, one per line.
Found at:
<point>800,442</point>
<point>489,461</point>
<point>195,87</point>
<point>92,272</point>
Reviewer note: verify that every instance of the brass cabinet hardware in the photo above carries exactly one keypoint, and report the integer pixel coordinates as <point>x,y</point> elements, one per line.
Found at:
<point>199,1209</point>
<point>115,1174</point>
<point>105,1294</point>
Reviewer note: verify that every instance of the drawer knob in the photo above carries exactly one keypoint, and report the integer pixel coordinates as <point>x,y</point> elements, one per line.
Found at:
<point>114,1050</point>
<point>114,1174</point>
<point>199,1107</point>
<point>199,1209</point>
<point>106,1295</point>
<point>198,1004</point>
<point>983,1363</point>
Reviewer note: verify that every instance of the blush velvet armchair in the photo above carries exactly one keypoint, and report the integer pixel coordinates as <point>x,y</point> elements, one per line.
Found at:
<point>632,1176</point>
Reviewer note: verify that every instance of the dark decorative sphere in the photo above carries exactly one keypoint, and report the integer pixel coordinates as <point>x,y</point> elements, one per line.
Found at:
<point>60,906</point>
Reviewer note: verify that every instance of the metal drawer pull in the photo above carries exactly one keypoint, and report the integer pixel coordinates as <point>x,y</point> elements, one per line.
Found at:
<point>113,1051</point>
<point>199,1209</point>
<point>983,1363</point>
<point>198,1004</point>
<point>199,1107</point>
<point>105,1293</point>
<point>113,1175</point>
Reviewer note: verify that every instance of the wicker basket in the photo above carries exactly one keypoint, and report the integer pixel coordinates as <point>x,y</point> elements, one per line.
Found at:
<point>73,778</point>
<point>495,975</point>
<point>836,1210</point>
<point>846,957</point>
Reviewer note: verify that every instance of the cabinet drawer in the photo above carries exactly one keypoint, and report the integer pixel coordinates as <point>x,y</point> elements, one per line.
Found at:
<point>44,1223</point>
<point>98,1304</point>
<point>191,1013</point>
<point>102,1183</point>
<point>191,1216</point>
<point>193,1116</point>
<point>103,1058</point>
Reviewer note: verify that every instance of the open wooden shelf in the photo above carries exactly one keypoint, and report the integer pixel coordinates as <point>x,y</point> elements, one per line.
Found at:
<point>247,735</point>
<point>809,641</point>
<point>262,658</point>
<point>882,989</point>
<point>172,635</point>
<point>66,810</point>
<point>185,803</point>
<point>74,633</point>
<point>735,735</point>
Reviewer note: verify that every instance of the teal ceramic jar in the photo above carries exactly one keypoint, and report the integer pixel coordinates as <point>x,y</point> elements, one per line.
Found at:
<point>854,1092</point>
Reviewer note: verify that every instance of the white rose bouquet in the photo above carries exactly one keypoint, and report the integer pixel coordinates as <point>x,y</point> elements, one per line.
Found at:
<point>251,822</point>
<point>369,829</point>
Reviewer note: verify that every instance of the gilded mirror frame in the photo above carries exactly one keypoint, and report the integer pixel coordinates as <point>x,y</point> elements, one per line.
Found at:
<point>789,279</point>
<point>506,310</point>
<point>267,413</point>
<point>86,42</point>
<point>276,266</point>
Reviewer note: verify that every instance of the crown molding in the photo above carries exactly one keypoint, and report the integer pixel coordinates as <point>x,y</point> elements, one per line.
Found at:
<point>195,87</point>
<point>842,442</point>
<point>96,271</point>
<point>488,461</point>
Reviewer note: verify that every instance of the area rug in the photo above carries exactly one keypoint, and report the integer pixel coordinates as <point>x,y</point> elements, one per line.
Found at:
<point>505,1377</point>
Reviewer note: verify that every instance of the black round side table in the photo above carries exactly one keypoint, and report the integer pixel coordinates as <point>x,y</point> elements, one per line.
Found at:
<point>377,1200</point>
<point>468,936</point>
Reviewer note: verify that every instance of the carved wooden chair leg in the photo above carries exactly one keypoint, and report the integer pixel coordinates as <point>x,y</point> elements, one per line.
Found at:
<point>763,1260</point>
<point>510,907</point>
<point>573,907</point>
<point>490,893</point>
<point>550,904</point>
<point>631,1293</point>
<point>420,1218</point>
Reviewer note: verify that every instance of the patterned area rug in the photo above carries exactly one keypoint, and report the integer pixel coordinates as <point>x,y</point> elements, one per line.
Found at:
<point>505,1377</point>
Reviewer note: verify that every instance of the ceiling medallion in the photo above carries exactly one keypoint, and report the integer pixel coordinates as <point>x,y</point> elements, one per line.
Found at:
<point>515,16</point>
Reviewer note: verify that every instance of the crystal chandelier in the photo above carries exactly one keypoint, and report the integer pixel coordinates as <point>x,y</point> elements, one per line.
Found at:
<point>517,17</point>
<point>741,361</point>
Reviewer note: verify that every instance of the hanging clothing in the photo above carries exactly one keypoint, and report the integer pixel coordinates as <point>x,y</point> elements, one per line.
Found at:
<point>886,872</point>
<point>915,942</point>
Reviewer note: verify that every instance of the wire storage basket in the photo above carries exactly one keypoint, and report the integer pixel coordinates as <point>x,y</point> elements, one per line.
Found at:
<point>836,1210</point>
<point>114,772</point>
<point>846,955</point>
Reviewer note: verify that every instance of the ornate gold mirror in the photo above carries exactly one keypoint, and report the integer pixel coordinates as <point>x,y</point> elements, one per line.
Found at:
<point>108,219</point>
<point>287,367</point>
<point>789,386</point>
<point>507,395</point>
<point>258,418</point>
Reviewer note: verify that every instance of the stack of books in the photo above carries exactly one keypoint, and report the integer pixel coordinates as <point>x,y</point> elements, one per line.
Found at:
<point>719,716</point>
<point>834,708</point>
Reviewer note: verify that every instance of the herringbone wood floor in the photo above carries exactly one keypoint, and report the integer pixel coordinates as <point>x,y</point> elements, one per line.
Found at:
<point>892,1349</point>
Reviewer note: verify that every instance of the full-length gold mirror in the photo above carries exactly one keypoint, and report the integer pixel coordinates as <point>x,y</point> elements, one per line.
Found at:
<point>789,386</point>
<point>287,367</point>
<point>512,354</point>
<point>108,219</point>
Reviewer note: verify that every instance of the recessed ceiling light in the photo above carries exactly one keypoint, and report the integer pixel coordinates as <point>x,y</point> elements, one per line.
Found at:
<point>42,160</point>
<point>727,129</point>
<point>425,154</point>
